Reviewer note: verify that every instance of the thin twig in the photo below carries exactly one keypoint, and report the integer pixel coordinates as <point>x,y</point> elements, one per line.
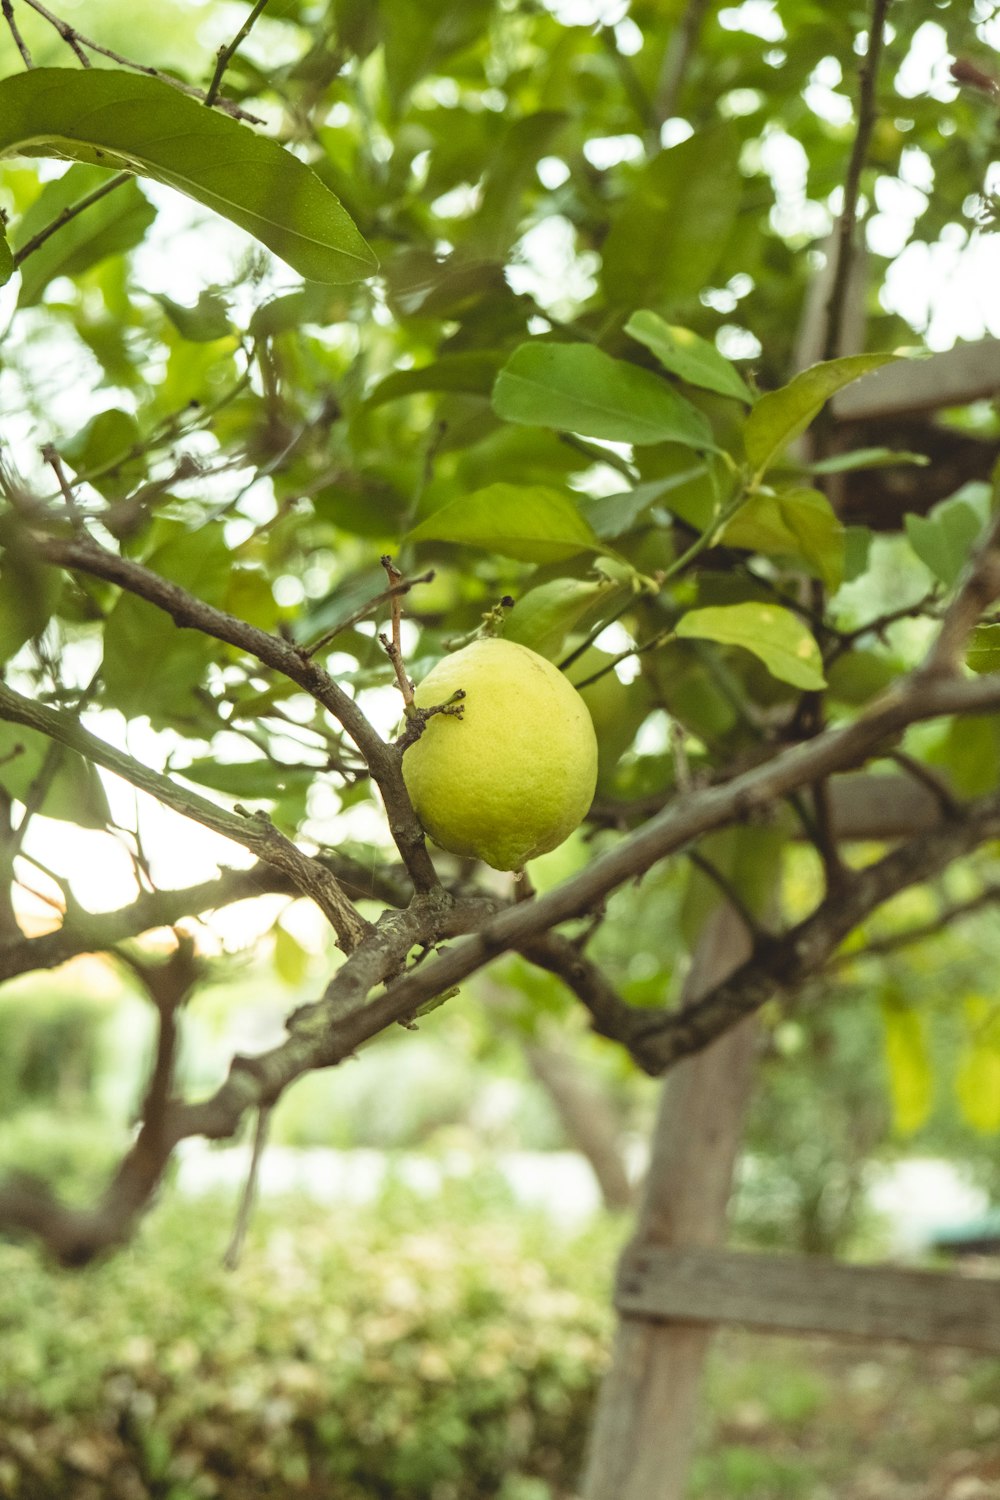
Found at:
<point>632,84</point>
<point>835,872</point>
<point>844,251</point>
<point>19,42</point>
<point>69,33</point>
<point>254,831</point>
<point>51,456</point>
<point>676,58</point>
<point>37,240</point>
<point>678,751</point>
<point>383,760</point>
<point>844,639</point>
<point>729,892</point>
<point>225,54</point>
<point>77,42</point>
<point>231,1259</point>
<point>935,784</point>
<point>893,942</point>
<point>403,587</point>
<point>394,647</point>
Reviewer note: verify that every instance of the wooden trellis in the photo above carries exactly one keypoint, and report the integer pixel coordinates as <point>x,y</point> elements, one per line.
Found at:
<point>675,1281</point>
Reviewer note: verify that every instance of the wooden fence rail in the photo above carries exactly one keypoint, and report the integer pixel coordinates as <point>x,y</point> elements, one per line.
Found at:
<point>793,1294</point>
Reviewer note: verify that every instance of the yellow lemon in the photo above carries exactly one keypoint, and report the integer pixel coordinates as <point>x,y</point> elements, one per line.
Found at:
<point>515,774</point>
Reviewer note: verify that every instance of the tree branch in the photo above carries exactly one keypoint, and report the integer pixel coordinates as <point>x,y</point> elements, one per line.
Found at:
<point>254,831</point>
<point>225,54</point>
<point>97,932</point>
<point>383,760</point>
<point>867,83</point>
<point>70,212</point>
<point>676,59</point>
<point>893,942</point>
<point>805,950</point>
<point>319,1035</point>
<point>8,14</point>
<point>80,45</point>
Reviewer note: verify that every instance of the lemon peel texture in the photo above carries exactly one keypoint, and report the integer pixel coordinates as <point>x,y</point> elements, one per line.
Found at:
<point>514,775</point>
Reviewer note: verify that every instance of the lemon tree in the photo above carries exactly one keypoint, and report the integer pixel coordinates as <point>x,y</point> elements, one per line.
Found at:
<point>527,308</point>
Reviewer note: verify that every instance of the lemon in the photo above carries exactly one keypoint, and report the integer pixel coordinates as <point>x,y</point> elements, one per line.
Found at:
<point>515,774</point>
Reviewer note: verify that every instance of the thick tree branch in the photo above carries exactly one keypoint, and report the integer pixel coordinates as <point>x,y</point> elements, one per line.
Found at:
<point>254,831</point>
<point>384,761</point>
<point>319,1035</point>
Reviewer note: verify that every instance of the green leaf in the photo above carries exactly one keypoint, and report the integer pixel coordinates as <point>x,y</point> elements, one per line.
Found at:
<point>74,791</point>
<point>984,649</point>
<point>152,666</point>
<point>473,372</point>
<point>252,778</point>
<point>6,259</point>
<point>773,634</point>
<point>115,223</point>
<point>860,675</point>
<point>531,523</point>
<point>315,302</point>
<point>970,753</point>
<point>511,171</point>
<point>668,235</point>
<point>291,960</point>
<point>866,458</point>
<point>907,1055</point>
<point>107,447</point>
<point>613,515</point>
<point>977,1077</point>
<point>29,592</point>
<point>857,547</point>
<point>206,321</point>
<point>944,540</point>
<point>781,415</point>
<point>545,615</point>
<point>578,388</point>
<point>792,523</point>
<point>418,33</point>
<point>684,354</point>
<point>113,119</point>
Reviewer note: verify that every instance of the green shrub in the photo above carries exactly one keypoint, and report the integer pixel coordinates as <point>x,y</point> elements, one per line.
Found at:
<point>50,1046</point>
<point>72,1153</point>
<point>353,1356</point>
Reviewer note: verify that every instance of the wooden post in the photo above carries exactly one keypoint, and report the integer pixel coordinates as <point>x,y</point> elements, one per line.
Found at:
<point>642,1436</point>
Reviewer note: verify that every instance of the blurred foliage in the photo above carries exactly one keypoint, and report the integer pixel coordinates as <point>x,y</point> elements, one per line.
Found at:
<point>436,1351</point>
<point>382,1358</point>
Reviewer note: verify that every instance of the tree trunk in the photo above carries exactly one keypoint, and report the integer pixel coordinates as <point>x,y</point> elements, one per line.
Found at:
<point>643,1430</point>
